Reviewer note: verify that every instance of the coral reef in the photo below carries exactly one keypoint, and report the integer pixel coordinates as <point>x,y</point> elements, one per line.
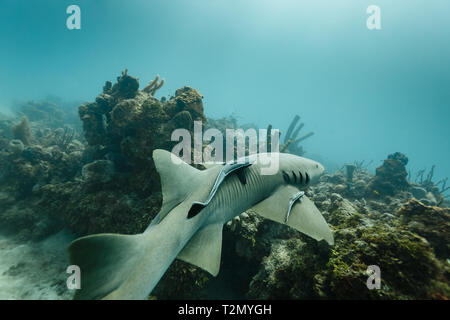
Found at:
<point>118,189</point>
<point>432,223</point>
<point>390,176</point>
<point>290,144</point>
<point>104,182</point>
<point>103,179</point>
<point>426,190</point>
<point>401,238</point>
<point>405,238</point>
<point>51,113</point>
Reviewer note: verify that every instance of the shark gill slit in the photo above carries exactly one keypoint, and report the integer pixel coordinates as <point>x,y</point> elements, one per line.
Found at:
<point>295,176</point>
<point>307,177</point>
<point>301,177</point>
<point>286,177</point>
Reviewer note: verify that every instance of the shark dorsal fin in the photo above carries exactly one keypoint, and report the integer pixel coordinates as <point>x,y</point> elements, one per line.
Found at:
<point>204,249</point>
<point>177,179</point>
<point>304,215</point>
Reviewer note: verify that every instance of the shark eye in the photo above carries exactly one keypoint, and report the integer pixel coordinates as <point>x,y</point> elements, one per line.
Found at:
<point>307,178</point>
<point>317,166</point>
<point>301,177</point>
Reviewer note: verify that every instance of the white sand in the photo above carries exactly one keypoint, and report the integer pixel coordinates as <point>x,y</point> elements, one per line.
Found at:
<point>34,270</point>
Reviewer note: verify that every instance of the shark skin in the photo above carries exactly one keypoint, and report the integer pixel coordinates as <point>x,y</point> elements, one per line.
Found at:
<point>130,266</point>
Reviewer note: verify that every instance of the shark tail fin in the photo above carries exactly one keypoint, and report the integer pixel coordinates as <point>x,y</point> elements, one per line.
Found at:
<point>105,262</point>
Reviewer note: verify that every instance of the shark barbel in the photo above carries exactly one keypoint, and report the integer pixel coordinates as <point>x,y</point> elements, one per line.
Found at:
<point>196,205</point>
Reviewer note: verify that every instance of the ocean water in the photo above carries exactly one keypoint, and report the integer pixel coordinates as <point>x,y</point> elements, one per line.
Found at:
<point>364,93</point>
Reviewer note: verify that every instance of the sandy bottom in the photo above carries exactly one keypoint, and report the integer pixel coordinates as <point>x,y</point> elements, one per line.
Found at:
<point>34,270</point>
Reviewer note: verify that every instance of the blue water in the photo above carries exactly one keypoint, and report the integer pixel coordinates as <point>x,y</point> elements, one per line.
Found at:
<point>365,93</point>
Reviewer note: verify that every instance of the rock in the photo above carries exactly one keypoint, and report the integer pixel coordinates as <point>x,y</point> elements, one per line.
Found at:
<point>418,192</point>
<point>337,178</point>
<point>358,189</point>
<point>126,87</point>
<point>390,177</point>
<point>266,283</point>
<point>340,188</point>
<point>16,147</point>
<point>335,197</point>
<point>430,197</point>
<point>399,157</point>
<point>99,171</point>
<point>427,202</point>
<point>341,210</point>
<point>190,100</point>
<point>432,223</point>
<point>360,184</point>
<point>21,131</point>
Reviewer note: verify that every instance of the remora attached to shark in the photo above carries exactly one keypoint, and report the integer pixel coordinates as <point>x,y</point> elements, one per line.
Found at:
<point>196,205</point>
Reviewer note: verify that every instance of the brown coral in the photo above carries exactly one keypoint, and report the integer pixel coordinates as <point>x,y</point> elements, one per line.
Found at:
<point>390,177</point>
<point>432,223</point>
<point>22,132</point>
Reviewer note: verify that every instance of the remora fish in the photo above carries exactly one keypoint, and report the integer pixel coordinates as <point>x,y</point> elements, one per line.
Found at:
<point>196,205</point>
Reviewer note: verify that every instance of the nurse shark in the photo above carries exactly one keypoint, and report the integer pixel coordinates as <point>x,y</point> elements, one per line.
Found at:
<point>196,205</point>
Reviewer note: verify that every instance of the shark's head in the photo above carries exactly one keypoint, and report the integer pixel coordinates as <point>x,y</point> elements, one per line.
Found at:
<point>315,168</point>
<point>299,170</point>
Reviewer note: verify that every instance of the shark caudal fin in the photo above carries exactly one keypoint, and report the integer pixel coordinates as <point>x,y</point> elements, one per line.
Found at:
<point>304,215</point>
<point>105,261</point>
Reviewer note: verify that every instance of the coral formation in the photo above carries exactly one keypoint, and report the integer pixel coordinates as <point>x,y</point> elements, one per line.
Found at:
<point>103,180</point>
<point>154,86</point>
<point>406,239</point>
<point>113,185</point>
<point>119,189</point>
<point>432,223</point>
<point>291,143</point>
<point>21,131</point>
<point>383,233</point>
<point>391,175</point>
<point>426,190</point>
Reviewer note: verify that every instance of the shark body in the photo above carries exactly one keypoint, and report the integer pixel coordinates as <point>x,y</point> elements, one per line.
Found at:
<point>196,205</point>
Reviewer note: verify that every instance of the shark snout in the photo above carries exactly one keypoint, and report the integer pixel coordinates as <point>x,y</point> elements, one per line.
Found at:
<point>317,170</point>
<point>321,169</point>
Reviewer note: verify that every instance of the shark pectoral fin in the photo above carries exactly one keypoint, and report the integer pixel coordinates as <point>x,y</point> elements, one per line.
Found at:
<point>304,215</point>
<point>306,218</point>
<point>204,249</point>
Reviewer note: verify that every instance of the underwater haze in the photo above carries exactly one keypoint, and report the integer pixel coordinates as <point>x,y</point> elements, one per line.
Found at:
<point>93,94</point>
<point>365,93</point>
